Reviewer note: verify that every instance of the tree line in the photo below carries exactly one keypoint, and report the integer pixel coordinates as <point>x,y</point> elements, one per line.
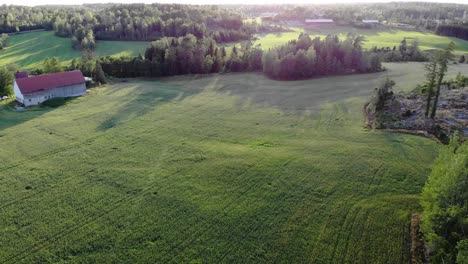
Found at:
<point>444,200</point>
<point>185,55</point>
<point>435,73</point>
<point>306,57</point>
<point>420,14</point>
<point>453,30</point>
<point>88,23</point>
<point>404,52</point>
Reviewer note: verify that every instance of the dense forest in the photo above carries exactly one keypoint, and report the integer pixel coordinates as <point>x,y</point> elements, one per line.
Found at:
<point>306,57</point>
<point>88,23</point>
<point>299,59</point>
<point>453,30</point>
<point>183,55</point>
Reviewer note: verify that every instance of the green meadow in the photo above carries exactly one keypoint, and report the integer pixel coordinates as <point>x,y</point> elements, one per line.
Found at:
<point>373,37</point>
<point>28,50</point>
<point>223,168</point>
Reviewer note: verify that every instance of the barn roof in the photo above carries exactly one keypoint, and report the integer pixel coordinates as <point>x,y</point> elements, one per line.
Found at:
<point>20,75</point>
<point>45,82</point>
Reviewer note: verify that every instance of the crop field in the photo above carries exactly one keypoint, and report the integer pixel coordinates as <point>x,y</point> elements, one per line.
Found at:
<point>210,169</point>
<point>28,50</point>
<point>373,37</point>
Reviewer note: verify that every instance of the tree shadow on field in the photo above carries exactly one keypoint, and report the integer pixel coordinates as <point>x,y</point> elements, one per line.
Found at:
<point>10,117</point>
<point>295,97</point>
<point>143,96</point>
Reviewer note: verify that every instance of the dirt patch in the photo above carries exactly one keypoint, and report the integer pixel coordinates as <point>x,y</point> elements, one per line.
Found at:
<point>405,113</point>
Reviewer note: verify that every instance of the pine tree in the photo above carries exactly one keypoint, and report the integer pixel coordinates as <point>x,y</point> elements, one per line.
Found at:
<point>443,58</point>
<point>99,74</point>
<point>6,82</point>
<point>431,69</point>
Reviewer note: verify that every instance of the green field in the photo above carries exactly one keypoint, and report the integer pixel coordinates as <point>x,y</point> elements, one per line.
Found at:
<point>29,49</point>
<point>374,37</point>
<point>224,168</point>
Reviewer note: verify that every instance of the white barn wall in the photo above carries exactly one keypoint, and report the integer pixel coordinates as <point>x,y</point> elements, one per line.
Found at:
<point>19,96</point>
<point>66,91</point>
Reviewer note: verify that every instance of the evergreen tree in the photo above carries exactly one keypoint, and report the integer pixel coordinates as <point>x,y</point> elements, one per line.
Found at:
<point>6,82</point>
<point>431,74</point>
<point>52,65</point>
<point>462,59</point>
<point>99,75</point>
<point>442,58</point>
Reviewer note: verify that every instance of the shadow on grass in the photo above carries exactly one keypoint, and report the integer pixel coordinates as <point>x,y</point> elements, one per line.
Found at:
<point>145,96</point>
<point>10,117</point>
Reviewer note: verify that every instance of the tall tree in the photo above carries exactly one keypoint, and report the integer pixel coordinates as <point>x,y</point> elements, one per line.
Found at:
<point>52,65</point>
<point>99,74</point>
<point>442,58</point>
<point>6,81</point>
<point>431,74</point>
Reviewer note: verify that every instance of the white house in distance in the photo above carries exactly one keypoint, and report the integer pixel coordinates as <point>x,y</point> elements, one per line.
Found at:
<point>319,22</point>
<point>33,90</point>
<point>370,21</point>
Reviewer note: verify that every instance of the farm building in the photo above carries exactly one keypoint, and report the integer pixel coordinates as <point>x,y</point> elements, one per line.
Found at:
<point>319,22</point>
<point>370,21</point>
<point>37,89</point>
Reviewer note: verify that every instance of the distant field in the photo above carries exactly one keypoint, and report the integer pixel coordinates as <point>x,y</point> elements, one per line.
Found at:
<point>225,168</point>
<point>29,49</point>
<point>385,38</point>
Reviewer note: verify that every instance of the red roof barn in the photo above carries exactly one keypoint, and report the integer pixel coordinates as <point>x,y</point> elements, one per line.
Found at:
<point>37,89</point>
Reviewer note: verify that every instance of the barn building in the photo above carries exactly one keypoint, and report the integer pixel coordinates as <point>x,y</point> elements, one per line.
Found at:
<point>33,90</point>
<point>319,22</point>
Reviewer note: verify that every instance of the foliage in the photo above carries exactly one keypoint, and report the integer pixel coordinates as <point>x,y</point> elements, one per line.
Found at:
<point>3,40</point>
<point>404,52</point>
<point>185,55</point>
<point>421,14</point>
<point>307,58</point>
<point>99,74</point>
<point>374,108</point>
<point>442,58</point>
<point>6,81</point>
<point>86,24</point>
<point>436,71</point>
<point>52,65</point>
<point>453,30</point>
<point>444,200</point>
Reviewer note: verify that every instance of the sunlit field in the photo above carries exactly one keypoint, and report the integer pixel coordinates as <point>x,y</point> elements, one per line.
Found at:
<point>28,50</point>
<point>373,37</point>
<point>222,168</point>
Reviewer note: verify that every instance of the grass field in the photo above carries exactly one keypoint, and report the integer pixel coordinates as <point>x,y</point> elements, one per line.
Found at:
<point>30,49</point>
<point>374,37</point>
<point>231,168</point>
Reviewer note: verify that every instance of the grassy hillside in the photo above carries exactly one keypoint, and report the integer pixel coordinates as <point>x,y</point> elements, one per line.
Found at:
<point>380,38</point>
<point>29,49</point>
<point>218,169</point>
